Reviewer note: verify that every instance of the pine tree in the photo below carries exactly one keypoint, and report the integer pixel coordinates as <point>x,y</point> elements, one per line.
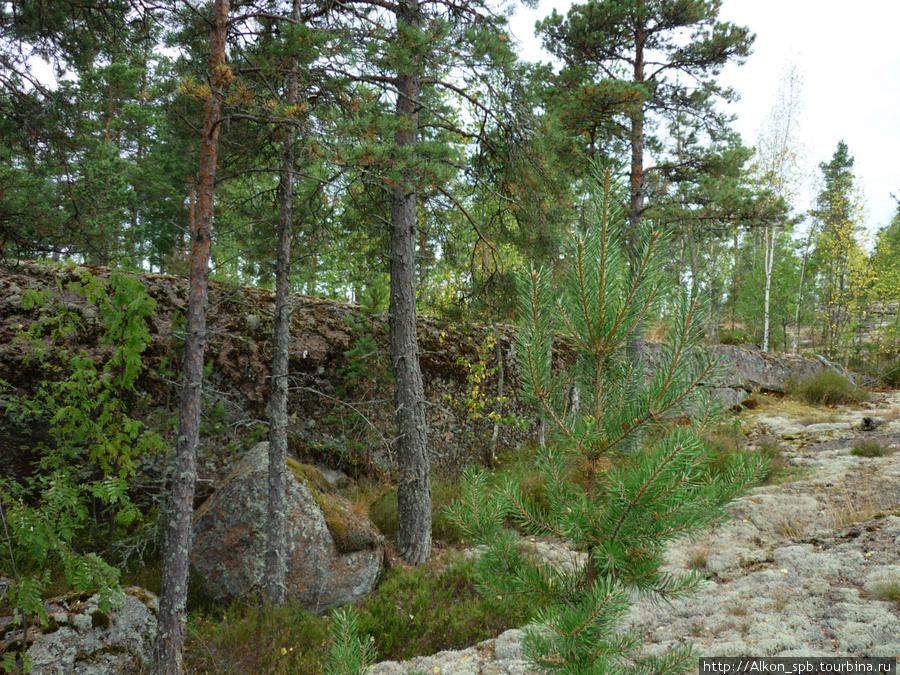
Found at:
<point>839,256</point>
<point>167,650</point>
<point>621,509</point>
<point>409,47</point>
<point>635,66</point>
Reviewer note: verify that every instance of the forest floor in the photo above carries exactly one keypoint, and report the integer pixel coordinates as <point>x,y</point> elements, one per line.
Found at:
<point>806,567</point>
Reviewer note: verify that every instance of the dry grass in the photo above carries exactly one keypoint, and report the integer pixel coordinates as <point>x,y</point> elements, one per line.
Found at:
<point>848,509</point>
<point>698,557</point>
<point>891,415</point>
<point>789,527</point>
<point>781,600</point>
<point>809,420</point>
<point>740,608</point>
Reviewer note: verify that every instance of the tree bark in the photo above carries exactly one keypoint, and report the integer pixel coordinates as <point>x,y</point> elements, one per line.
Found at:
<point>167,652</point>
<point>276,513</point>
<point>634,347</point>
<point>414,491</point>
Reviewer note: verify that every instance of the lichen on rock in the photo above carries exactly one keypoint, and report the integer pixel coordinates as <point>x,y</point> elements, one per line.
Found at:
<point>81,639</point>
<point>334,555</point>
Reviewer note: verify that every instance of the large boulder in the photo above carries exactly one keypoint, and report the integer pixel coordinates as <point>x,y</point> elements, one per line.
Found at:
<point>82,639</point>
<point>334,555</point>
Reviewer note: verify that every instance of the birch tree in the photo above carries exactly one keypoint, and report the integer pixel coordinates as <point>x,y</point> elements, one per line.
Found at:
<point>780,153</point>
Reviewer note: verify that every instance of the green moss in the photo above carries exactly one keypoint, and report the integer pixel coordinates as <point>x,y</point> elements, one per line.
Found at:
<point>100,619</point>
<point>309,475</point>
<point>11,627</point>
<point>50,627</point>
<point>111,649</point>
<point>349,531</point>
<point>145,596</point>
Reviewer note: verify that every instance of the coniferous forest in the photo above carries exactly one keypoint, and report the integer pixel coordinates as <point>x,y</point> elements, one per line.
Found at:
<point>401,155</point>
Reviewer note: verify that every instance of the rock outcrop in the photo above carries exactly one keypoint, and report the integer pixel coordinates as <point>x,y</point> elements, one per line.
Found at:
<point>339,406</point>
<point>334,555</point>
<point>81,639</point>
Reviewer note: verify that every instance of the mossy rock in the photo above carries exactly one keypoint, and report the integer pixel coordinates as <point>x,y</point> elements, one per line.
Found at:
<point>350,531</point>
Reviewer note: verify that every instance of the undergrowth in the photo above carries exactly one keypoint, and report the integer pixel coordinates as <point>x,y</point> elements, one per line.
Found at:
<point>871,448</point>
<point>414,611</point>
<point>828,387</point>
<point>421,611</point>
<point>247,637</point>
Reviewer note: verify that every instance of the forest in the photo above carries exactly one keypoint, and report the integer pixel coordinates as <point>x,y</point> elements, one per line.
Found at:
<point>400,155</point>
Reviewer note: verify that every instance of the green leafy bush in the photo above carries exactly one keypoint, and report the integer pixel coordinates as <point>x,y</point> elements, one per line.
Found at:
<point>47,522</point>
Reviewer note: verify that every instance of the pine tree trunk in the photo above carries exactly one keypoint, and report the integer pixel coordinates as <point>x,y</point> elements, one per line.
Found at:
<point>634,348</point>
<point>167,652</point>
<point>276,513</point>
<point>414,491</point>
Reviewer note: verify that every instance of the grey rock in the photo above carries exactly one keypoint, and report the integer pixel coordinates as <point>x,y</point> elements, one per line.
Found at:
<point>334,556</point>
<point>101,643</point>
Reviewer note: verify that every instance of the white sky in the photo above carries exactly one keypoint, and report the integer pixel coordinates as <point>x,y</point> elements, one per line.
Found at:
<point>848,57</point>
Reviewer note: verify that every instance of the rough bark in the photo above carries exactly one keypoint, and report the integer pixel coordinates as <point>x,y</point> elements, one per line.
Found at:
<point>414,491</point>
<point>167,652</point>
<point>276,524</point>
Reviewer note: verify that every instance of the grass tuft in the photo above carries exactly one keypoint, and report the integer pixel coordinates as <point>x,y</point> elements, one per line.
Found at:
<point>829,387</point>
<point>888,589</point>
<point>871,448</point>
<point>247,637</point>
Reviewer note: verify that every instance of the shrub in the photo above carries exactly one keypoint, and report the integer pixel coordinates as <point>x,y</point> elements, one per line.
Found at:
<point>829,387</point>
<point>871,448</point>
<point>421,611</point>
<point>249,637</point>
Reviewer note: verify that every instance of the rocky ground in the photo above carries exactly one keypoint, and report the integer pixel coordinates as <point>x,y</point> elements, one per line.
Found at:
<point>808,567</point>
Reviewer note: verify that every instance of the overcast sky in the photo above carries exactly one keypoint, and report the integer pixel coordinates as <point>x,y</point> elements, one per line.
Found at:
<point>849,60</point>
